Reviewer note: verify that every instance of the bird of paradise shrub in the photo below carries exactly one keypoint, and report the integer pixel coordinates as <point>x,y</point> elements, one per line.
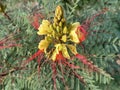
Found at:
<point>59,44</point>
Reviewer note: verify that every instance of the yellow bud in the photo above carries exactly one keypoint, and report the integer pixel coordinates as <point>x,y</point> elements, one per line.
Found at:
<point>64,38</point>
<point>59,11</point>
<point>58,29</point>
<point>60,24</point>
<point>54,25</point>
<point>63,20</point>
<point>51,28</point>
<point>59,18</point>
<point>65,30</point>
<point>55,20</point>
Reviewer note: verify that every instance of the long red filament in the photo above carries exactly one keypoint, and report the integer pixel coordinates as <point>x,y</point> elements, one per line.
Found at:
<point>54,74</point>
<point>39,52</point>
<point>84,60</point>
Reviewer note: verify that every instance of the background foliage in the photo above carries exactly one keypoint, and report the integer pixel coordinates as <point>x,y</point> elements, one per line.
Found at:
<point>102,45</point>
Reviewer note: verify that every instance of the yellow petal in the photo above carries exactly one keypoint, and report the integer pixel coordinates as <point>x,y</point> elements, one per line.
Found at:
<point>43,45</point>
<point>63,49</point>
<point>64,38</point>
<point>74,26</point>
<point>58,47</point>
<point>73,34</point>
<point>65,52</point>
<point>44,28</point>
<point>55,52</point>
<point>72,49</point>
<point>73,37</point>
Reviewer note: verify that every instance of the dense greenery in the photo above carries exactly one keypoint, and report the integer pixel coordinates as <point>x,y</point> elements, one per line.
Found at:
<point>102,45</point>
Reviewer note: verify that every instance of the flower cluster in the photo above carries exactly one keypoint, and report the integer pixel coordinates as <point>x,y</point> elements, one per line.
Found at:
<point>60,36</point>
<point>59,44</point>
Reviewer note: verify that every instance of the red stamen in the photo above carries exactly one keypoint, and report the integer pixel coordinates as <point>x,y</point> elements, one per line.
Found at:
<point>86,24</point>
<point>61,69</point>
<point>84,33</point>
<point>35,22</point>
<point>78,76</point>
<point>82,30</point>
<point>54,74</point>
<point>10,45</point>
<point>71,65</point>
<point>5,39</point>
<point>39,52</point>
<point>39,61</point>
<point>84,60</point>
<point>60,57</point>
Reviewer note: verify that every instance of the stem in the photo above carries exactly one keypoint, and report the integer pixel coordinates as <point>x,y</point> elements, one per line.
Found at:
<point>61,69</point>
<point>8,17</point>
<point>11,71</point>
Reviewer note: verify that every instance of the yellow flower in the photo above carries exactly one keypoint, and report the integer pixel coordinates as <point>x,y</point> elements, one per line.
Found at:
<point>73,35</point>
<point>45,28</point>
<point>60,48</point>
<point>58,34</point>
<point>43,45</point>
<point>58,13</point>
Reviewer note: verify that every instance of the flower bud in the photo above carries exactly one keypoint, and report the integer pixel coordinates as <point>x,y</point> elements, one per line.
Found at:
<point>59,11</point>
<point>60,24</point>
<point>65,30</point>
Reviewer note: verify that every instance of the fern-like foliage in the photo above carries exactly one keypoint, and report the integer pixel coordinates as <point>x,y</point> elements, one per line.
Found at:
<point>102,46</point>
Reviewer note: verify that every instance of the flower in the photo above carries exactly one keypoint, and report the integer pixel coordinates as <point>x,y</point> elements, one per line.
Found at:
<point>43,45</point>
<point>59,45</point>
<point>60,48</point>
<point>44,28</point>
<point>58,35</point>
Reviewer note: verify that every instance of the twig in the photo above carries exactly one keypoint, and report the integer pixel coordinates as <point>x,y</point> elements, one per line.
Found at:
<point>11,71</point>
